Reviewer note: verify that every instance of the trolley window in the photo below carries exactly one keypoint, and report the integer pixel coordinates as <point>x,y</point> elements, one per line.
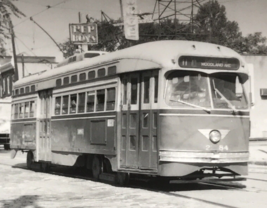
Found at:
<point>111,93</point>
<point>146,89</point>
<point>228,91</point>
<point>32,108</point>
<point>91,74</point>
<point>82,76</point>
<point>81,102</point>
<point>73,78</point>
<point>134,85</point>
<point>188,89</point>
<point>73,103</point>
<point>57,105</point>
<point>21,110</point>
<point>65,104</point>
<point>90,101</point>
<point>100,94</point>
<point>156,87</point>
<point>26,110</point>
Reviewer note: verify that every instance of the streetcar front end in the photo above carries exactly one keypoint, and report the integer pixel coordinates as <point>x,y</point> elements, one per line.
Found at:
<point>204,124</point>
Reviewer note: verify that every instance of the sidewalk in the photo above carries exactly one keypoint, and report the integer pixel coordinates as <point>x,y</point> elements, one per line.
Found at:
<point>258,152</point>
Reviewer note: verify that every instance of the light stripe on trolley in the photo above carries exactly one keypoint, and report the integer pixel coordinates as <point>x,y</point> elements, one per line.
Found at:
<point>78,118</point>
<point>202,115</point>
<point>203,157</point>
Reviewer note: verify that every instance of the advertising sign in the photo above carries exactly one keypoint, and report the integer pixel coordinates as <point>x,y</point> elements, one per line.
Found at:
<point>83,33</point>
<point>131,27</point>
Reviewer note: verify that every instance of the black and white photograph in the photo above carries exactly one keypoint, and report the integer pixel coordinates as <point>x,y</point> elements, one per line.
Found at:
<point>133,103</point>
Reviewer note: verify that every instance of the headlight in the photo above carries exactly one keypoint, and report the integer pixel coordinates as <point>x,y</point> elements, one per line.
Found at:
<point>215,136</point>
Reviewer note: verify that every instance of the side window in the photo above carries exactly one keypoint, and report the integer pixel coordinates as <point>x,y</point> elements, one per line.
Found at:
<point>146,90</point>
<point>111,94</point>
<point>32,108</point>
<point>26,110</point>
<point>8,85</point>
<point>81,102</point>
<point>90,101</point>
<point>21,110</point>
<point>91,74</point>
<point>134,85</point>
<point>156,87</point>
<point>16,114</point>
<point>100,100</point>
<point>73,103</point>
<point>65,104</point>
<point>57,105</point>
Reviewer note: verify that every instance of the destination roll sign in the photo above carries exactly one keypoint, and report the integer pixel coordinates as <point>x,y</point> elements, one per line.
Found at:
<point>209,62</point>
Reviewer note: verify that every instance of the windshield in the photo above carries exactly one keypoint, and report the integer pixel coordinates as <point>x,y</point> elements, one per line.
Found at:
<point>190,89</point>
<point>228,91</point>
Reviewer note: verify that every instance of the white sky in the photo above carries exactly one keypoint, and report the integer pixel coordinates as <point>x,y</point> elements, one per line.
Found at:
<point>251,16</point>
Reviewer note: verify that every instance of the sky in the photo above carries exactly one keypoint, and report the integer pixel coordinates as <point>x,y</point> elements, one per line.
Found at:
<point>30,40</point>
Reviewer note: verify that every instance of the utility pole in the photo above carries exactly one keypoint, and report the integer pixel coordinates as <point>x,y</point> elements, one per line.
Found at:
<point>11,28</point>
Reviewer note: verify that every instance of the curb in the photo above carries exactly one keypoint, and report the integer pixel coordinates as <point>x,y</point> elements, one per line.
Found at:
<point>263,163</point>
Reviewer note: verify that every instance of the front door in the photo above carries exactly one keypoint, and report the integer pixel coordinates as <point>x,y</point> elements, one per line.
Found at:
<point>138,146</point>
<point>44,124</point>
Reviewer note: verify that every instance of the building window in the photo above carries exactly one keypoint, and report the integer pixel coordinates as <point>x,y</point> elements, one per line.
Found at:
<point>21,110</point>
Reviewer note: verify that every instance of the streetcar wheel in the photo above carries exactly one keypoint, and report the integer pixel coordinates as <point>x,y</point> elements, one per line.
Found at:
<point>96,167</point>
<point>122,179</point>
<point>6,146</point>
<point>30,160</point>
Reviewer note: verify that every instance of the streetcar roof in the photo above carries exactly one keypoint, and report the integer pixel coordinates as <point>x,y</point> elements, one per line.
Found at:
<point>158,54</point>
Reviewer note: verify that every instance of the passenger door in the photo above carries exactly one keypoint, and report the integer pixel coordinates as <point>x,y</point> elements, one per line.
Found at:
<point>130,120</point>
<point>138,141</point>
<point>44,126</point>
<point>148,121</point>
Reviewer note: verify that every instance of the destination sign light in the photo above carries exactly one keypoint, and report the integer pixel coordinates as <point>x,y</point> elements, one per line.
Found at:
<point>209,62</point>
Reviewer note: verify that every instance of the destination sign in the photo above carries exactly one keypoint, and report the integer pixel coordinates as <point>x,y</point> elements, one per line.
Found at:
<point>209,62</point>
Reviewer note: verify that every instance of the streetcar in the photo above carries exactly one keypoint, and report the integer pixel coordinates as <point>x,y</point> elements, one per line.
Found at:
<point>165,109</point>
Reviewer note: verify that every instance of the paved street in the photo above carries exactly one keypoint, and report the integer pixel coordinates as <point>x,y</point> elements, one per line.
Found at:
<point>24,188</point>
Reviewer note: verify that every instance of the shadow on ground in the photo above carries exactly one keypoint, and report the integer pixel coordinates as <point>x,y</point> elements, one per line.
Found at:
<point>21,202</point>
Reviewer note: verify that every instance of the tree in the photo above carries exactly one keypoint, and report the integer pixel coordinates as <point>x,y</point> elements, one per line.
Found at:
<point>212,22</point>
<point>7,8</point>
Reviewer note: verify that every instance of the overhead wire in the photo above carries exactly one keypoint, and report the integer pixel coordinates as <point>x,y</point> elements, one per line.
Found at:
<point>47,8</point>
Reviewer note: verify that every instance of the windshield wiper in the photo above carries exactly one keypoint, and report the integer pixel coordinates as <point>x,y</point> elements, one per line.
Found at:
<point>192,105</point>
<point>227,101</point>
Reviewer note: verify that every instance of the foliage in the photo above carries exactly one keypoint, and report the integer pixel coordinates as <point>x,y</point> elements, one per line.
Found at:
<point>6,8</point>
<point>210,25</point>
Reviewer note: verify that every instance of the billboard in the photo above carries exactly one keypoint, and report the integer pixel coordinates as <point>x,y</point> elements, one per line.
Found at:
<point>131,27</point>
<point>83,33</point>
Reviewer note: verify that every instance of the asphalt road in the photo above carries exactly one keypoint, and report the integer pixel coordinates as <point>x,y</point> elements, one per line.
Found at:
<point>67,187</point>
